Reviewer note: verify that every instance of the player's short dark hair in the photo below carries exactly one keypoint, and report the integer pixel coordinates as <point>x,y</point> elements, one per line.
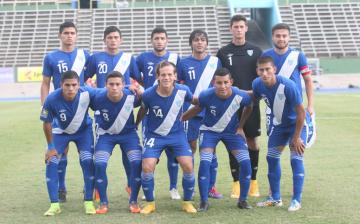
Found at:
<point>69,75</point>
<point>158,30</point>
<point>114,74</point>
<point>280,26</point>
<point>198,32</point>
<point>237,18</point>
<point>264,60</point>
<point>164,63</point>
<point>67,24</point>
<point>222,72</point>
<point>111,29</point>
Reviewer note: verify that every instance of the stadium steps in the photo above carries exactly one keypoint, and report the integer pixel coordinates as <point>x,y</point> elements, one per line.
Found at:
<point>83,21</point>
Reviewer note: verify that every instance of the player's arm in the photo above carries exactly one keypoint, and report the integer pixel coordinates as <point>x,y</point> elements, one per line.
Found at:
<point>51,151</point>
<point>309,93</point>
<point>195,101</point>
<point>296,142</point>
<point>192,112</point>
<point>45,88</point>
<point>244,116</point>
<point>140,115</point>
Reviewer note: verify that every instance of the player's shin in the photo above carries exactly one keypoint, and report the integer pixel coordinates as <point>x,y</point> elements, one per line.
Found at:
<point>101,181</point>
<point>204,174</point>
<point>147,182</point>
<point>173,169</point>
<point>274,172</point>
<point>188,183</point>
<point>134,157</point>
<point>297,165</point>
<point>52,179</point>
<point>87,165</point>
<point>242,156</point>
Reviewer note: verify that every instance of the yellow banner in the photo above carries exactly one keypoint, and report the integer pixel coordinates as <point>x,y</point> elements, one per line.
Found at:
<point>29,74</point>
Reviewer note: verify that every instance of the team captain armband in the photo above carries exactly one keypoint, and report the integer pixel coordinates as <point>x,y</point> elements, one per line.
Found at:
<point>305,70</point>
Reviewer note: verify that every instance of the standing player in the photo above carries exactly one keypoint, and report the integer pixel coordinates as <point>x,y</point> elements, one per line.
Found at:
<point>164,103</point>
<point>240,57</point>
<point>221,123</point>
<point>68,57</point>
<point>65,119</point>
<point>290,62</point>
<point>114,119</point>
<point>287,128</point>
<point>112,59</point>
<point>147,63</point>
<point>196,71</point>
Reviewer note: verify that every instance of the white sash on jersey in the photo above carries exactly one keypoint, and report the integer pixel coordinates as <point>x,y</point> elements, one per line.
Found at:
<point>279,103</point>
<point>79,62</point>
<point>223,122</point>
<point>206,76</point>
<point>123,63</point>
<point>171,116</point>
<point>77,120</point>
<point>289,65</point>
<point>173,58</point>
<point>121,119</point>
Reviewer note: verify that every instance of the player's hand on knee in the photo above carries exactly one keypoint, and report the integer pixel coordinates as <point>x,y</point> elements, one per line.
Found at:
<point>298,146</point>
<point>49,154</point>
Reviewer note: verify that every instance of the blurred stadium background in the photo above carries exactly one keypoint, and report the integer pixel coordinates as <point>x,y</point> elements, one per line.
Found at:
<point>328,31</point>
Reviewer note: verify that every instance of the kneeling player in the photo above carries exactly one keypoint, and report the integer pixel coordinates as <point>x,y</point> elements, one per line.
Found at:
<point>163,129</point>
<point>114,118</point>
<point>221,123</point>
<point>68,107</point>
<point>286,128</point>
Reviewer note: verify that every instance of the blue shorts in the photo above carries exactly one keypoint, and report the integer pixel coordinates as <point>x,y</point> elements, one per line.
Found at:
<point>129,141</point>
<point>177,143</point>
<point>232,141</point>
<point>192,127</point>
<point>280,136</point>
<point>84,140</point>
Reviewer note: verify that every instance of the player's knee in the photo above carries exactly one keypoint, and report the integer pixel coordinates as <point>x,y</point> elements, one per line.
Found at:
<point>134,156</point>
<point>54,160</point>
<point>101,157</point>
<point>206,156</point>
<point>241,155</point>
<point>147,167</point>
<point>295,155</point>
<point>273,152</point>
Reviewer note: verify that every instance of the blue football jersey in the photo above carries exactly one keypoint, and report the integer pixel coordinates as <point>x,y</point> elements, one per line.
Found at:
<point>147,63</point>
<point>164,112</point>
<point>114,117</point>
<point>197,74</point>
<point>281,99</point>
<point>221,115</point>
<point>68,117</point>
<point>292,64</point>
<point>57,62</point>
<point>102,63</point>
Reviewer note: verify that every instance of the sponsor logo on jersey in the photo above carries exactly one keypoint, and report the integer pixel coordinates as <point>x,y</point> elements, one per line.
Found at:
<point>250,52</point>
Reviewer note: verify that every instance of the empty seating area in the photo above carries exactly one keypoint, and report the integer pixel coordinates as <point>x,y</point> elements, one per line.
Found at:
<point>328,30</point>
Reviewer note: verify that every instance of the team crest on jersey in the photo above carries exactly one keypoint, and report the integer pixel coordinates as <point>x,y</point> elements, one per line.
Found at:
<point>250,52</point>
<point>290,62</point>
<point>128,108</point>
<point>178,103</point>
<point>281,96</point>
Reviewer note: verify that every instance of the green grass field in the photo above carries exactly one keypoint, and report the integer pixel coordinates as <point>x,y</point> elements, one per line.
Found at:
<point>331,192</point>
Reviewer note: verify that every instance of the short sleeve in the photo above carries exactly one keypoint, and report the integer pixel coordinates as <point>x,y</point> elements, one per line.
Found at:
<point>47,69</point>
<point>46,114</point>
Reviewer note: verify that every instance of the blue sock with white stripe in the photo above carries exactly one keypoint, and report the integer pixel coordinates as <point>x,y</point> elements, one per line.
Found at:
<point>213,171</point>
<point>101,181</point>
<point>204,174</point>
<point>127,166</point>
<point>297,165</point>
<point>242,156</point>
<point>188,183</point>
<point>134,157</point>
<point>62,171</point>
<point>274,172</point>
<point>52,179</point>
<point>87,165</point>
<point>147,182</point>
<point>173,168</point>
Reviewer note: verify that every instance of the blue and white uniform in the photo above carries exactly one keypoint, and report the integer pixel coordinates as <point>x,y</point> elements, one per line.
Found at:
<point>220,123</point>
<point>57,62</point>
<point>163,129</point>
<point>70,122</point>
<point>282,99</point>
<point>147,62</point>
<point>115,125</point>
<point>197,75</point>
<point>102,63</point>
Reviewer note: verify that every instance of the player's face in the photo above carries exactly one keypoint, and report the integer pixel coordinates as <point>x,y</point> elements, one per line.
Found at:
<point>70,88</point>
<point>159,42</point>
<point>113,41</point>
<point>199,44</point>
<point>238,29</point>
<point>114,86</point>
<point>166,76</point>
<point>266,71</point>
<point>281,38</point>
<point>68,36</point>
<point>223,85</point>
